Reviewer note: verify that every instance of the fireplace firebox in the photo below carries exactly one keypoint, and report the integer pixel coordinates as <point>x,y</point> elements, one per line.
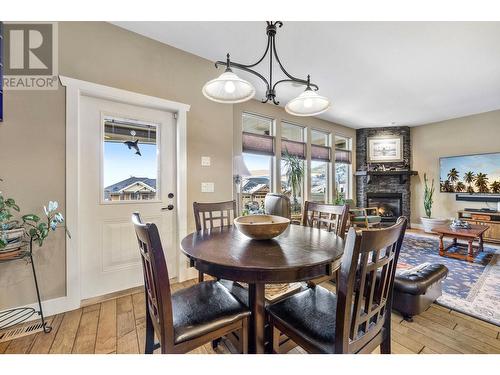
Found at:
<point>389,205</point>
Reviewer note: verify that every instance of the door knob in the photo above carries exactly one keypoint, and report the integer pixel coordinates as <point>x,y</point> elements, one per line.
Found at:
<point>170,207</point>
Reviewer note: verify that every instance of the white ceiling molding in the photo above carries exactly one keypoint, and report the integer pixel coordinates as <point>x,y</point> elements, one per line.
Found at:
<point>374,73</point>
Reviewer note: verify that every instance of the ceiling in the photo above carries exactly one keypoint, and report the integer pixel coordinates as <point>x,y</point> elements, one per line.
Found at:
<point>375,73</point>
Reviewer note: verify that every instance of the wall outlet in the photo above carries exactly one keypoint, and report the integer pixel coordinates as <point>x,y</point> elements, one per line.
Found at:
<point>205,161</point>
<point>207,187</point>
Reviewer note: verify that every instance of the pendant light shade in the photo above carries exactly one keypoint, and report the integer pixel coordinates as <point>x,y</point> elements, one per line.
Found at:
<point>228,88</point>
<point>309,103</point>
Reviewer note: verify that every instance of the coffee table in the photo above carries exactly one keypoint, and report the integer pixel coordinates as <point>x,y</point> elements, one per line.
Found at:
<point>475,232</point>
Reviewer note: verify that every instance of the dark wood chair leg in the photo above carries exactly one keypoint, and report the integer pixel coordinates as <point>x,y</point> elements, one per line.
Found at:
<point>407,318</point>
<point>200,277</point>
<point>150,336</point>
<point>337,280</point>
<point>244,337</point>
<point>385,347</point>
<point>276,340</point>
<point>215,343</point>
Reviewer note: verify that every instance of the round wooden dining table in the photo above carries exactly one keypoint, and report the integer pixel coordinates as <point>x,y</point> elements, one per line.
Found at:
<point>298,254</point>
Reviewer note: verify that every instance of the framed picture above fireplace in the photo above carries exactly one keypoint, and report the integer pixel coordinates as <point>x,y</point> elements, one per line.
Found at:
<point>388,149</point>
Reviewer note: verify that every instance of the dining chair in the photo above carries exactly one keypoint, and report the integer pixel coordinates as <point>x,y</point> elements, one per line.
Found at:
<point>357,318</point>
<point>212,215</point>
<point>190,317</point>
<point>328,217</point>
<point>366,217</point>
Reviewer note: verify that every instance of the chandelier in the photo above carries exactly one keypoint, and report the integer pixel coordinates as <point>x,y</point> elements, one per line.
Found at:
<point>229,88</point>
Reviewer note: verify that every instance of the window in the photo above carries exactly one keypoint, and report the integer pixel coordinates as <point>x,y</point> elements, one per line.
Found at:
<point>258,151</point>
<point>130,160</point>
<point>320,165</point>
<point>293,154</point>
<point>343,160</point>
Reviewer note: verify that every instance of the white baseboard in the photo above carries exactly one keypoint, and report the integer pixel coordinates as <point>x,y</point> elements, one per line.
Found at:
<point>50,307</point>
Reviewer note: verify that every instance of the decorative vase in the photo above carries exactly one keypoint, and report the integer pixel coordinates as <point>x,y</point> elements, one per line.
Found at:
<point>430,223</point>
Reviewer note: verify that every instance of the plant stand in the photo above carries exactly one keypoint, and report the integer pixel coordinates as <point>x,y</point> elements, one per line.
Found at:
<point>9,318</point>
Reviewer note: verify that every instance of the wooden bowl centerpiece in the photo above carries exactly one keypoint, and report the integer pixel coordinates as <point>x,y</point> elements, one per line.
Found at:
<point>261,227</point>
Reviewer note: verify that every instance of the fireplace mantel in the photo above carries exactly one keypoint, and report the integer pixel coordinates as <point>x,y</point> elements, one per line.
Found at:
<point>403,174</point>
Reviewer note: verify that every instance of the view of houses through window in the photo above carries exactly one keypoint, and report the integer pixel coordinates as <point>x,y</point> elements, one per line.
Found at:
<point>319,168</point>
<point>342,166</point>
<point>130,160</point>
<point>258,151</point>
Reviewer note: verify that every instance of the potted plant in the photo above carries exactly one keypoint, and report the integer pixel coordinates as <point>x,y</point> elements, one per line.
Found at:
<point>32,227</point>
<point>10,232</point>
<point>428,221</point>
<point>294,167</point>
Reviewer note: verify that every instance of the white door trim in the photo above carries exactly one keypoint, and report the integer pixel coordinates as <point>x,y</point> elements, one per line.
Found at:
<point>74,90</point>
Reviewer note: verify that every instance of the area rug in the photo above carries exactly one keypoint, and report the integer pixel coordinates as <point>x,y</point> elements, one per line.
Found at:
<point>471,287</point>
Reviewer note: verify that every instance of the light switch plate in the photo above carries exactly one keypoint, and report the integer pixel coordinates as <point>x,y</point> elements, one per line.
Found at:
<point>207,187</point>
<point>205,161</point>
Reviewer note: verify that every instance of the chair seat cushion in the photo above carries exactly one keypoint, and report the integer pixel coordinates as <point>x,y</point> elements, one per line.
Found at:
<point>310,314</point>
<point>202,308</point>
<point>370,218</point>
<point>419,279</point>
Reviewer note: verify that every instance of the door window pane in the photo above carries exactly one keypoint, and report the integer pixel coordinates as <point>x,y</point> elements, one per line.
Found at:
<point>256,124</point>
<point>342,179</point>
<point>255,187</point>
<point>130,160</point>
<point>342,143</point>
<point>292,132</point>
<point>320,157</point>
<point>292,180</point>
<point>292,164</point>
<point>343,167</point>
<point>319,138</point>
<point>319,181</point>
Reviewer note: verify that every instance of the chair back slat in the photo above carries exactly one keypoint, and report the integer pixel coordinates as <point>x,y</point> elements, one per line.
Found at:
<point>211,215</point>
<point>366,284</point>
<point>156,280</point>
<point>326,216</point>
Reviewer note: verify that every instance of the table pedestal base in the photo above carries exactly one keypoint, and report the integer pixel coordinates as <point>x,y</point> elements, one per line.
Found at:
<point>256,300</point>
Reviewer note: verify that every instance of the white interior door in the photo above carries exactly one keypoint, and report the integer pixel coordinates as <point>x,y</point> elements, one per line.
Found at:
<point>127,165</point>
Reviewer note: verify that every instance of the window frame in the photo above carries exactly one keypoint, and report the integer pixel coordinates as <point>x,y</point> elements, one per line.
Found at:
<point>275,168</point>
<point>272,131</point>
<point>350,179</point>
<point>158,195</point>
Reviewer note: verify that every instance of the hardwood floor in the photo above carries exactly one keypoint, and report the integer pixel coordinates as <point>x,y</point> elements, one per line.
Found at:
<point>117,326</point>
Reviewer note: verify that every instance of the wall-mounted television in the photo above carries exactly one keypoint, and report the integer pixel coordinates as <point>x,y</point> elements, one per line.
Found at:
<point>473,174</point>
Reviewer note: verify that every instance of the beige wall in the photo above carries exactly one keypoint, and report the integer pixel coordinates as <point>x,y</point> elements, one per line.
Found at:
<point>467,135</point>
<point>32,137</point>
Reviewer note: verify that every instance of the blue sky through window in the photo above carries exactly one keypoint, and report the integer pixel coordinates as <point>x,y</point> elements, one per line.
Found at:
<point>121,163</point>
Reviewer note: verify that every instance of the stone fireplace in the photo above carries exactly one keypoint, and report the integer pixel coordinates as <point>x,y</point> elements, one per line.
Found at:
<point>389,187</point>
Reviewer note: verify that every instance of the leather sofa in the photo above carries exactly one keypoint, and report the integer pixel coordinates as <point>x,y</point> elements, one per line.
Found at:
<point>417,288</point>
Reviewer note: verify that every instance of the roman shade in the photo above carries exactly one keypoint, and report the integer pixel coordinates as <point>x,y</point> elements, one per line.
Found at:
<point>293,148</point>
<point>258,143</point>
<point>343,156</point>
<point>320,153</point>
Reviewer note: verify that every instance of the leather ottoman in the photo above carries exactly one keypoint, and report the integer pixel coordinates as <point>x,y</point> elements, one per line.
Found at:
<point>417,288</point>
